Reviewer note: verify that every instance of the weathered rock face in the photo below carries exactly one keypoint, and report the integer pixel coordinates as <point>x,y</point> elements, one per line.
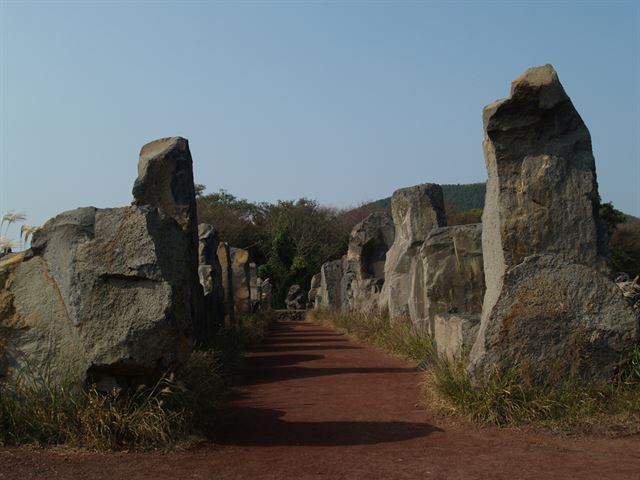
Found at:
<point>368,245</point>
<point>546,302</point>
<point>165,181</point>
<point>314,288</point>
<point>329,295</point>
<point>559,316</point>
<point>447,287</point>
<point>347,277</point>
<point>453,276</point>
<point>455,334</point>
<point>210,273</point>
<point>105,293</point>
<point>296,298</point>
<point>240,280</point>
<point>224,257</point>
<point>416,211</point>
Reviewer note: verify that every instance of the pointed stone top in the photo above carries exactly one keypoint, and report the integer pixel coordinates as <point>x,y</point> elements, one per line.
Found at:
<point>161,147</point>
<point>541,83</point>
<point>536,77</point>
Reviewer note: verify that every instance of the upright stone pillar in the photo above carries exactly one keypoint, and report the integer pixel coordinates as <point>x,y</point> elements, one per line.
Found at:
<point>547,303</point>
<point>416,211</point>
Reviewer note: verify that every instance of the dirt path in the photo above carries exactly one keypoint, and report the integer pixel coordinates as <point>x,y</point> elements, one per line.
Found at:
<point>315,404</point>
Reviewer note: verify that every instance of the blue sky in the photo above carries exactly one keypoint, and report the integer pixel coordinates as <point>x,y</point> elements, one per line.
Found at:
<point>341,102</point>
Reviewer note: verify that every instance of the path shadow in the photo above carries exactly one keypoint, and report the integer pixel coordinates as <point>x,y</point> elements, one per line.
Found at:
<point>290,348</point>
<point>304,334</point>
<point>247,426</point>
<point>270,361</point>
<point>258,376</point>
<point>302,339</point>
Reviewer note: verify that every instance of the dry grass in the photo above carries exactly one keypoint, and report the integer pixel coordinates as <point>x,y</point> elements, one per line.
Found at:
<point>164,415</point>
<point>399,337</point>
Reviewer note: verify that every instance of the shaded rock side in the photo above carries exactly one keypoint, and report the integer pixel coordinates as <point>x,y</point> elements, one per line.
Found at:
<point>416,211</point>
<point>210,273</point>
<point>296,298</point>
<point>369,242</point>
<point>543,241</point>
<point>241,280</point>
<point>104,293</point>
<point>224,257</point>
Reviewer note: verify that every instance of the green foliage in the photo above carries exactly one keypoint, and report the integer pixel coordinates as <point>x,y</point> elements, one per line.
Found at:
<point>200,188</point>
<point>624,245</point>
<point>611,216</point>
<point>290,240</point>
<point>465,197</point>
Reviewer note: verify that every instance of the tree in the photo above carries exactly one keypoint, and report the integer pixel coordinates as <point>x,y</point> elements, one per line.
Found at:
<point>611,216</point>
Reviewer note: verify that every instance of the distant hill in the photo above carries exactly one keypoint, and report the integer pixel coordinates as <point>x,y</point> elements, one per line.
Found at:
<point>462,197</point>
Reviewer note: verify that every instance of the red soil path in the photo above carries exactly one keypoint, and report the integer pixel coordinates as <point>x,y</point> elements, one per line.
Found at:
<point>315,404</point>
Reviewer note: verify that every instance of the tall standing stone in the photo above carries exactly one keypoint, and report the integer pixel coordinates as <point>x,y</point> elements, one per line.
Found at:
<point>369,242</point>
<point>416,211</point>
<point>224,257</point>
<point>329,293</point>
<point>165,181</point>
<point>547,303</point>
<point>210,273</point>
<point>241,281</point>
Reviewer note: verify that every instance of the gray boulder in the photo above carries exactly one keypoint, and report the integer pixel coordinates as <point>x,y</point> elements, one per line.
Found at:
<point>547,303</point>
<point>103,293</point>
<point>296,298</point>
<point>369,242</point>
<point>416,211</point>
